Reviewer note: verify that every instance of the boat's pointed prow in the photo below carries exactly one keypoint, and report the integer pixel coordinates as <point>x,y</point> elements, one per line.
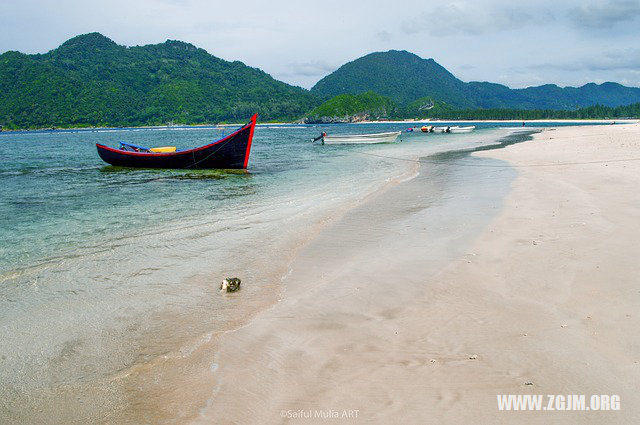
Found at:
<point>252,123</point>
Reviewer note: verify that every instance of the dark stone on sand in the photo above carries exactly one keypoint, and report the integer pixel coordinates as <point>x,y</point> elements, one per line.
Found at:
<point>230,284</point>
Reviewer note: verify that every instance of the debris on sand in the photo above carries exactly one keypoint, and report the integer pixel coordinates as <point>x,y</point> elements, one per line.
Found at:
<point>230,284</point>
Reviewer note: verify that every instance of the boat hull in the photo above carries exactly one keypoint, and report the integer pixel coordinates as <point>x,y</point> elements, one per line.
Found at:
<point>361,139</point>
<point>231,152</point>
<point>453,129</point>
<point>468,129</point>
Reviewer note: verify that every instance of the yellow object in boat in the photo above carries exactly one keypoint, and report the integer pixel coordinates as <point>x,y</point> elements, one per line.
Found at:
<point>164,149</point>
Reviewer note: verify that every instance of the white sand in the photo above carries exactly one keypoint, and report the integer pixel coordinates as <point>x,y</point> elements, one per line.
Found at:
<point>548,294</point>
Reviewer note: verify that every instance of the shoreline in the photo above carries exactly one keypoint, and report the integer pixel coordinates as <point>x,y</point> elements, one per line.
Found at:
<point>595,120</point>
<point>162,404</point>
<point>223,126</point>
<point>148,399</point>
<point>346,237</point>
<point>455,333</point>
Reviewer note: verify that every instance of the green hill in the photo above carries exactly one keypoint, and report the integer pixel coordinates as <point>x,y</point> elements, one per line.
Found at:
<point>399,75</point>
<point>405,78</point>
<point>347,107</point>
<point>91,81</point>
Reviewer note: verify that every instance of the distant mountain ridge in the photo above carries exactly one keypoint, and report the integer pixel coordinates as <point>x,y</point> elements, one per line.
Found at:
<point>92,81</point>
<point>405,77</point>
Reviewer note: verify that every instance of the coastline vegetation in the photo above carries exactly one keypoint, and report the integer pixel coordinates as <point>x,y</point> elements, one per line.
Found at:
<point>349,108</point>
<point>344,108</point>
<point>589,112</point>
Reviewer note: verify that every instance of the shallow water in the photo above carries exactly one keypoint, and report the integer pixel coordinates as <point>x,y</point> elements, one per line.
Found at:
<point>106,273</point>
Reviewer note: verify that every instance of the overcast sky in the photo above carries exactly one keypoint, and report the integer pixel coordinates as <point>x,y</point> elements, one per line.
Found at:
<point>563,42</point>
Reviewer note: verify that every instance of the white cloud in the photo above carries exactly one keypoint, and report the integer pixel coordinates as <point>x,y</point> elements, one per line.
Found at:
<point>483,40</point>
<point>605,14</point>
<point>473,18</point>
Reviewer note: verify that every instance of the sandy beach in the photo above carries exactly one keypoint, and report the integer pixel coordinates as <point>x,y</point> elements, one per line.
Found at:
<point>385,323</point>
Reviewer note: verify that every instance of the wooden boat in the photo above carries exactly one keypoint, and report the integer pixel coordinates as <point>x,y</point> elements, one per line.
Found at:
<point>231,151</point>
<point>346,139</point>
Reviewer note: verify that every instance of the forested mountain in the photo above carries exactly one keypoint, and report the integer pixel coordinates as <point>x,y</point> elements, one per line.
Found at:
<point>91,81</point>
<point>405,78</point>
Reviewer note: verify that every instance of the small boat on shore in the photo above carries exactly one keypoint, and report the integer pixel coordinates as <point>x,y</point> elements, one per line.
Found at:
<point>231,152</point>
<point>347,139</point>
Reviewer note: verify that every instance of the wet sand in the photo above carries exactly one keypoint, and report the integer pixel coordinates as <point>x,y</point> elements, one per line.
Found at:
<point>418,310</point>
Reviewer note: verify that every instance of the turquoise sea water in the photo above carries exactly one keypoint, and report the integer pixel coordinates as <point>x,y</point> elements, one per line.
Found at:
<point>57,194</point>
<point>103,269</point>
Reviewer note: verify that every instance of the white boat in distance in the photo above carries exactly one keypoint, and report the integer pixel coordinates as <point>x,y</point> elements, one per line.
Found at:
<point>454,129</point>
<point>457,129</point>
<point>346,139</point>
